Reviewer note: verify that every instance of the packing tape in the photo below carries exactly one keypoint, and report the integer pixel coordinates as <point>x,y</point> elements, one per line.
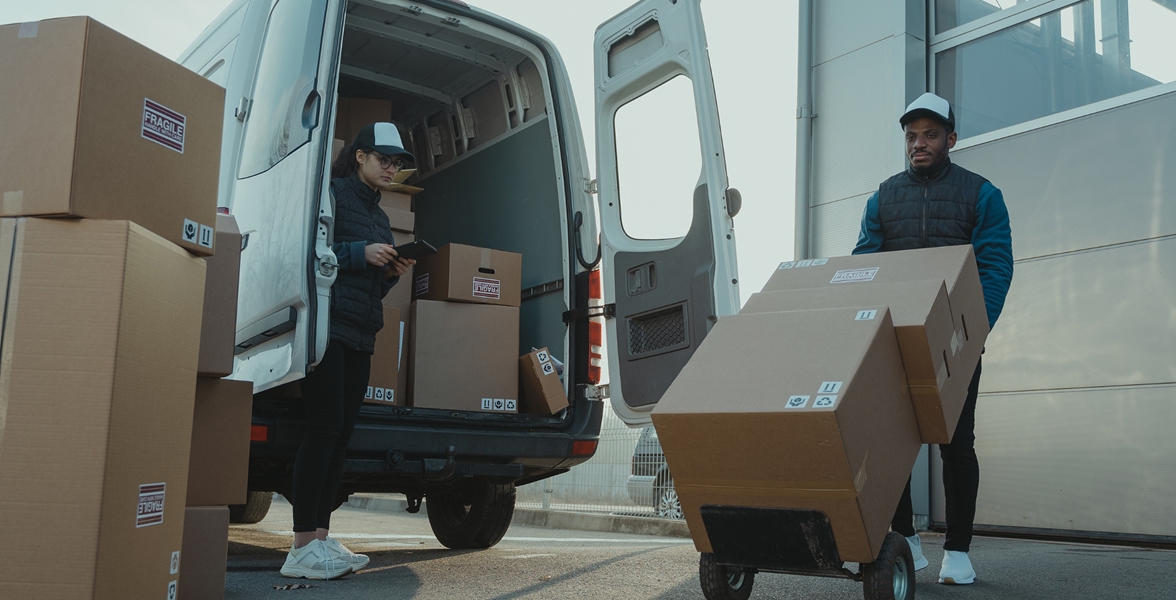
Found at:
<point>14,202</point>
<point>485,258</point>
<point>28,30</point>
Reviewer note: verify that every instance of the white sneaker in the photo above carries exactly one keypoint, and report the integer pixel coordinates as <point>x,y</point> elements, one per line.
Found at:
<point>314,561</point>
<point>956,569</point>
<point>917,552</point>
<point>341,552</point>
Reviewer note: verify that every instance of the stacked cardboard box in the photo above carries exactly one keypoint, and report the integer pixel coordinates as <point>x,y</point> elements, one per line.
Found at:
<point>830,378</point>
<point>464,330</point>
<point>103,314</point>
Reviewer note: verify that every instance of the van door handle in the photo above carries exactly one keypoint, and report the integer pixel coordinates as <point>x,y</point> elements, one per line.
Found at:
<point>310,108</point>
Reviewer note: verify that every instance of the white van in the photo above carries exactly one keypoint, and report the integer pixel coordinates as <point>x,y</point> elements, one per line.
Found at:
<point>488,110</point>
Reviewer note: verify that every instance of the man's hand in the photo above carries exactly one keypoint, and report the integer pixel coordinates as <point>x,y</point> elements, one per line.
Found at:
<point>378,254</point>
<point>397,266</point>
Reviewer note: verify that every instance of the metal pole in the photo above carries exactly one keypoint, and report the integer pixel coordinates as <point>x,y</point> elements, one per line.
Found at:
<point>804,129</point>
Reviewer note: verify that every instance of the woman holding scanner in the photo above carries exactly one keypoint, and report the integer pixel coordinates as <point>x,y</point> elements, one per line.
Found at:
<point>334,390</point>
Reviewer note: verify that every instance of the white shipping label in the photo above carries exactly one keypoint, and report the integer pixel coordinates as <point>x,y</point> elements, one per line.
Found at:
<point>830,387</point>
<point>150,511</point>
<point>389,395</point>
<point>512,405</point>
<point>854,275</point>
<point>175,562</point>
<point>163,125</point>
<point>421,285</point>
<point>379,394</point>
<point>866,315</point>
<point>487,288</point>
<point>548,368</point>
<point>487,404</point>
<point>205,236</point>
<point>191,231</point>
<point>368,396</point>
<point>824,401</point>
<point>797,402</point>
<point>820,261</point>
<point>171,590</point>
<point>542,356</point>
<point>804,263</point>
<point>786,265</point>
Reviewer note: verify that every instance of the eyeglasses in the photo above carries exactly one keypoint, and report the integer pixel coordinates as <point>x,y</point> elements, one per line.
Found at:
<point>387,161</point>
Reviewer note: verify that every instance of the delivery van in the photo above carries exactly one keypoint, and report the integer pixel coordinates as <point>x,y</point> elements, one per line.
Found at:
<point>487,108</point>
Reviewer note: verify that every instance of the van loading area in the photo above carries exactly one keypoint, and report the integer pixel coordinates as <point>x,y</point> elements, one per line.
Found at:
<point>537,562</point>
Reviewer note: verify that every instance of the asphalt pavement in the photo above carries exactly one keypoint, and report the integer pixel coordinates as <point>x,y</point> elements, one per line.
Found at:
<point>541,562</point>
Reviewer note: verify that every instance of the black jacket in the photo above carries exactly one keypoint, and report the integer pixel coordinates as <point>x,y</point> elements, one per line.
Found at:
<point>357,314</point>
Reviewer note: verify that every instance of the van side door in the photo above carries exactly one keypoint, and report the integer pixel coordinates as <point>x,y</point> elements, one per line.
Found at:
<point>667,293</point>
<point>281,198</point>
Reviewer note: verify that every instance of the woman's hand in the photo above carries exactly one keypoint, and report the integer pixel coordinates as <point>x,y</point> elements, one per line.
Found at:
<point>378,254</point>
<point>398,266</point>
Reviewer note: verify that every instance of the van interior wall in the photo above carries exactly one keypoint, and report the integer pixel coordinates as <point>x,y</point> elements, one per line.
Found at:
<point>506,196</point>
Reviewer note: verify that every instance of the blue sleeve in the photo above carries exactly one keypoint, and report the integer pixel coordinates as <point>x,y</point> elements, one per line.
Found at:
<point>871,237</point>
<point>350,255</point>
<point>992,240</point>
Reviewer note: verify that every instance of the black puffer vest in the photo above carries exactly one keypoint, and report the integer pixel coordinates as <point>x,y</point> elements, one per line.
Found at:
<point>356,311</point>
<point>927,210</point>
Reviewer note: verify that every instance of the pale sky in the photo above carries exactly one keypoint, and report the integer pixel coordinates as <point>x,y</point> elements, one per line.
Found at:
<point>753,56</point>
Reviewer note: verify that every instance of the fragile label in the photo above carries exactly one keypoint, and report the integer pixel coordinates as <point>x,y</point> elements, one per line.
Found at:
<point>163,125</point>
<point>368,396</point>
<point>854,275</point>
<point>548,368</point>
<point>175,562</point>
<point>804,263</point>
<point>500,405</point>
<point>866,315</point>
<point>205,236</point>
<point>824,401</point>
<point>797,402</point>
<point>421,285</point>
<point>786,265</point>
<point>191,231</point>
<point>830,387</point>
<point>487,288</point>
<point>171,590</point>
<point>819,261</point>
<point>150,510</point>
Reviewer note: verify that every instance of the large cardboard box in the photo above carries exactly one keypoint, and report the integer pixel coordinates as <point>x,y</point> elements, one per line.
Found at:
<point>218,467</point>
<point>353,114</point>
<point>403,221</point>
<point>396,200</point>
<point>463,273</point>
<point>543,392</point>
<point>98,126</point>
<point>462,356</point>
<point>801,410</point>
<point>205,554</point>
<point>383,383</point>
<point>219,330</point>
<point>97,381</point>
<point>926,338</point>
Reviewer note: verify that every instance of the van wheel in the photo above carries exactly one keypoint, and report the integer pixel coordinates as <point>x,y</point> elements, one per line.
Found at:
<point>892,576</point>
<point>257,505</point>
<point>666,502</point>
<point>723,583</point>
<point>474,518</point>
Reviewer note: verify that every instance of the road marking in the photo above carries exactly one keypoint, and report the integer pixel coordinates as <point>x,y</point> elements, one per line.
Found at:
<point>401,536</point>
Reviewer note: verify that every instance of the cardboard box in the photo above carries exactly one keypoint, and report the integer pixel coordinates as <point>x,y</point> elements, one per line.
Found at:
<point>337,146</point>
<point>352,114</point>
<point>802,410</point>
<point>543,392</point>
<point>395,200</point>
<point>463,273</point>
<point>383,383</point>
<point>98,369</point>
<point>926,338</point>
<point>219,330</point>
<point>401,220</point>
<point>462,356</point>
<point>955,266</point>
<point>218,467</point>
<point>98,126</point>
<point>205,554</point>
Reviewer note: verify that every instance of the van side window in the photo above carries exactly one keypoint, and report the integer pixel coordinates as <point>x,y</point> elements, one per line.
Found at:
<point>286,74</point>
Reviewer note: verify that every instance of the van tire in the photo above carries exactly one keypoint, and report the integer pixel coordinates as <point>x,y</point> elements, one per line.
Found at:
<point>257,505</point>
<point>474,518</point>
<point>723,583</point>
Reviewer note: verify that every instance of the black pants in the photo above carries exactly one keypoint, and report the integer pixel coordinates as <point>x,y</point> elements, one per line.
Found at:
<point>332,394</point>
<point>961,480</point>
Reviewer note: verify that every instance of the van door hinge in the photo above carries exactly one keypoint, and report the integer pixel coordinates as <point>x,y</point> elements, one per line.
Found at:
<point>590,186</point>
<point>608,311</point>
<point>597,392</point>
<point>242,110</point>
<point>327,265</point>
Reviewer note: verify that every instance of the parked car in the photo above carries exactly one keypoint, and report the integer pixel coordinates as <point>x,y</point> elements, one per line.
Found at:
<point>486,106</point>
<point>650,483</point>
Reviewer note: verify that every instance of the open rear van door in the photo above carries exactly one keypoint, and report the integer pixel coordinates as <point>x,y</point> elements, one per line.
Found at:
<point>281,200</point>
<point>667,290</point>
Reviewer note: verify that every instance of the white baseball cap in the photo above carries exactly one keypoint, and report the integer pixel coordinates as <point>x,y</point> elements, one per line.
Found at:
<point>383,138</point>
<point>928,105</point>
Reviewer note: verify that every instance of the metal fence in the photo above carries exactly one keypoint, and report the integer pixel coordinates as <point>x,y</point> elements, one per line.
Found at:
<point>626,476</point>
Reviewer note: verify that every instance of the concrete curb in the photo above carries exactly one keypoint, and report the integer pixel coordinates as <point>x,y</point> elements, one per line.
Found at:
<point>551,519</point>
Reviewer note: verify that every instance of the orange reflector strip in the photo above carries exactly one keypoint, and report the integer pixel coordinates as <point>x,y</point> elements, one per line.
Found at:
<point>584,448</point>
<point>594,290</point>
<point>259,433</point>
<point>595,333</point>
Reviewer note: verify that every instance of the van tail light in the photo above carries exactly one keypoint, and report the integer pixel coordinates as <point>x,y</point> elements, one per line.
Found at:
<point>259,433</point>
<point>583,447</point>
<point>595,328</point>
